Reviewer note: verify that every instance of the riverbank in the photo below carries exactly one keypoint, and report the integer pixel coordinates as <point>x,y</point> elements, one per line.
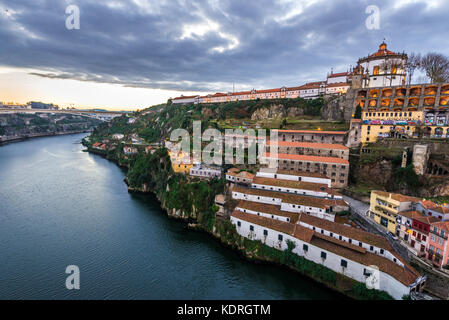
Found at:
<point>22,137</point>
<point>193,204</point>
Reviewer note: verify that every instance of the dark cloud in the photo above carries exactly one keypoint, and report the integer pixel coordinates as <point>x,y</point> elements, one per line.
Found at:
<point>140,43</point>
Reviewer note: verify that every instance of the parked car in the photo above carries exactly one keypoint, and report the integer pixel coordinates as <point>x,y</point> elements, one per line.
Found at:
<point>392,236</point>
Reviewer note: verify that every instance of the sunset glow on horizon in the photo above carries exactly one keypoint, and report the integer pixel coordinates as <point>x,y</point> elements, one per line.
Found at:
<point>19,86</point>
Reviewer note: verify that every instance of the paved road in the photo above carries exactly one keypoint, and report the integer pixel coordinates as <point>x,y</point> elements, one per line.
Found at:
<point>360,208</point>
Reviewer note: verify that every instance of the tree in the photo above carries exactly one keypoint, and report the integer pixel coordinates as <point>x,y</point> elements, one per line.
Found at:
<point>413,63</point>
<point>388,67</point>
<point>436,67</point>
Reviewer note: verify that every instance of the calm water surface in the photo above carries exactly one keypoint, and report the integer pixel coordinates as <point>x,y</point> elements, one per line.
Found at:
<point>61,206</point>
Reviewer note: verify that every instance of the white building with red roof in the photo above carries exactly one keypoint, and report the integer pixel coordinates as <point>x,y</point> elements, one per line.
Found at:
<point>383,68</point>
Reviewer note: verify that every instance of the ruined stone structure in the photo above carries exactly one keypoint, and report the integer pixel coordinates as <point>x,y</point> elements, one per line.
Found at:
<point>420,158</point>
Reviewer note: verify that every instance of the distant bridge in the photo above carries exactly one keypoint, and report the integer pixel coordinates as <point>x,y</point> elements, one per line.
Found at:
<point>101,115</point>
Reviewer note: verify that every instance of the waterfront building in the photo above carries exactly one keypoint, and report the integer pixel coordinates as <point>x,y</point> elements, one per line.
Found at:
<point>238,177</point>
<point>438,246</point>
<point>336,169</point>
<point>207,172</point>
<point>385,207</point>
<point>323,208</point>
<point>295,187</point>
<point>344,250</point>
<point>99,146</point>
<point>127,150</point>
<point>181,162</point>
<point>294,176</point>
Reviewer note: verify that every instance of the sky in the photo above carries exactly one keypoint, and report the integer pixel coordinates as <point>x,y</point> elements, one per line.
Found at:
<point>137,53</point>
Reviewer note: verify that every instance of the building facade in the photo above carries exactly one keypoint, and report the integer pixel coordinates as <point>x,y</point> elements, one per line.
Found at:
<point>385,207</point>
<point>333,168</point>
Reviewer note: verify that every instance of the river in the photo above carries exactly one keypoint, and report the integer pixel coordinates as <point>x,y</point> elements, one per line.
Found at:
<point>61,206</point>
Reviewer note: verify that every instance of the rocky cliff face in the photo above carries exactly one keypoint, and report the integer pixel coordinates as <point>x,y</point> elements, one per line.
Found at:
<point>378,172</point>
<point>276,112</point>
<point>339,108</point>
<point>381,174</point>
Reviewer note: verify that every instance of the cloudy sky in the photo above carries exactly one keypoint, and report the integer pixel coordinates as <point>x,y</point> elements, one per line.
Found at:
<point>135,53</point>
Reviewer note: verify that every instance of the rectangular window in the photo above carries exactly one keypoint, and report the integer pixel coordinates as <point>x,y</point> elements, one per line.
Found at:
<point>344,263</point>
<point>239,224</point>
<point>280,237</point>
<point>305,247</point>
<point>265,232</point>
<point>251,228</point>
<point>323,254</point>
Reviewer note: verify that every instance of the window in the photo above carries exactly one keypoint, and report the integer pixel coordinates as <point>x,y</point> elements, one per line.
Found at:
<point>323,254</point>
<point>371,248</point>
<point>239,224</point>
<point>305,247</point>
<point>340,237</point>
<point>265,232</point>
<point>381,251</point>
<point>280,237</point>
<point>251,228</point>
<point>350,240</point>
<point>344,263</point>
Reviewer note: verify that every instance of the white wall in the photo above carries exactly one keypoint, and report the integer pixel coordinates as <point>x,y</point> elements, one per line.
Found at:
<point>354,269</point>
<point>294,177</point>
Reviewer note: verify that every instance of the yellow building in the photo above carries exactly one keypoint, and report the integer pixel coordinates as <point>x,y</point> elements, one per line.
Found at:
<point>410,123</point>
<point>385,206</point>
<point>181,162</point>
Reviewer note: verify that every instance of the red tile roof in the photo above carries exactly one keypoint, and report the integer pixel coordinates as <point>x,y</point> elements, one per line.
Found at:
<point>337,75</point>
<point>307,201</point>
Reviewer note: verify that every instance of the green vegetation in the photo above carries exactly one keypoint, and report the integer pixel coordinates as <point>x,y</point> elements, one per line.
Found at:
<point>360,291</point>
<point>405,176</point>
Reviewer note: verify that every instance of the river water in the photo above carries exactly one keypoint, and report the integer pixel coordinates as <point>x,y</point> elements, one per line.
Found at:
<point>61,206</point>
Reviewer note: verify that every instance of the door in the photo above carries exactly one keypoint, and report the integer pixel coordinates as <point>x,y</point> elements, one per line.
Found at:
<point>413,243</point>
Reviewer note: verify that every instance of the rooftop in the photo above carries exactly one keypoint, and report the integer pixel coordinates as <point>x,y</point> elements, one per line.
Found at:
<point>293,184</point>
<point>396,196</point>
<point>322,203</point>
<point>267,208</point>
<point>354,253</point>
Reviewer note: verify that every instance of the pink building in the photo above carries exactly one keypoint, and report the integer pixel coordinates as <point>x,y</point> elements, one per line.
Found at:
<point>438,251</point>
